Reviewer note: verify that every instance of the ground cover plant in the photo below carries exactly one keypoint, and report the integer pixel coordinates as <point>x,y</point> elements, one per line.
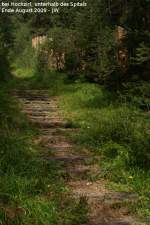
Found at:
<point>113,128</point>
<point>31,190</point>
<point>96,62</point>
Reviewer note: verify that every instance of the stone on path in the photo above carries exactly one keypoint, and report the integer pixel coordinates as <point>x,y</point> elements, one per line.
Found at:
<point>44,113</point>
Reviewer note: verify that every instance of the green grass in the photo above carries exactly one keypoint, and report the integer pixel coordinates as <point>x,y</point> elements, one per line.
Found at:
<point>115,130</point>
<point>32,191</point>
<point>112,126</point>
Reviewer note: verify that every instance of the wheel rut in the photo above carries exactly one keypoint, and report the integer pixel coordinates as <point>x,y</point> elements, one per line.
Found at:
<point>106,207</point>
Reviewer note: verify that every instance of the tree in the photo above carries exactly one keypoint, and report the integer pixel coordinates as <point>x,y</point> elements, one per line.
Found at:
<point>6,41</point>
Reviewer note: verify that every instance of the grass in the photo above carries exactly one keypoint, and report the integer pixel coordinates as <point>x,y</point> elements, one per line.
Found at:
<point>118,133</point>
<point>32,191</point>
<point>112,126</point>
<point>114,129</point>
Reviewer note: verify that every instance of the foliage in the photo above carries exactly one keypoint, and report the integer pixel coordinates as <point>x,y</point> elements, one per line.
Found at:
<point>114,124</point>
<point>138,95</point>
<point>115,129</point>
<point>142,54</point>
<point>5,43</point>
<point>31,190</point>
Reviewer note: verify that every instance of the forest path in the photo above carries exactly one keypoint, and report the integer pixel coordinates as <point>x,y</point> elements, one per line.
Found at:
<point>106,207</point>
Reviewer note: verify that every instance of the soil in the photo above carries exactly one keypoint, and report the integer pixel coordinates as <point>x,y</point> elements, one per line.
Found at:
<point>106,207</point>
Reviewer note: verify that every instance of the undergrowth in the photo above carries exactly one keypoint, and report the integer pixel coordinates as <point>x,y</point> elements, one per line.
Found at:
<point>32,191</point>
<point>115,129</point>
<point>113,125</point>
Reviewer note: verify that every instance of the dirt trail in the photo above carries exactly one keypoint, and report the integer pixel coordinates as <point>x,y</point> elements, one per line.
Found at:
<point>105,206</point>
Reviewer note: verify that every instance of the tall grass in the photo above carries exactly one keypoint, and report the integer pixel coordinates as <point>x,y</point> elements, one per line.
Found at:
<point>116,130</point>
<point>112,125</point>
<point>32,191</point>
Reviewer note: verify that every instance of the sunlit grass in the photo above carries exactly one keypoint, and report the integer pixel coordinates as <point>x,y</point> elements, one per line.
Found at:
<point>21,74</point>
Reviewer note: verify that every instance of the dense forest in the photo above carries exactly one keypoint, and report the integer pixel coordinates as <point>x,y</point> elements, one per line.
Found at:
<point>96,60</point>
